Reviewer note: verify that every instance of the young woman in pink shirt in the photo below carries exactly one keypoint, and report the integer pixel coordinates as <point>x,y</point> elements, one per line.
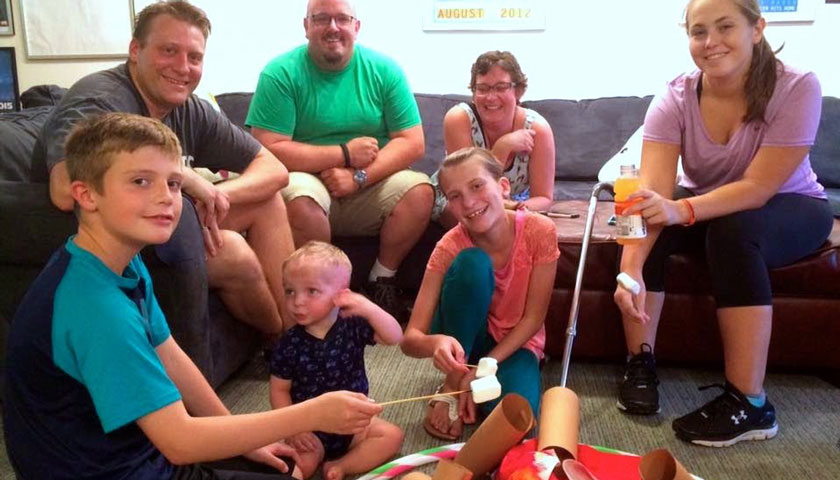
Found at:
<point>485,292</point>
<point>743,124</point>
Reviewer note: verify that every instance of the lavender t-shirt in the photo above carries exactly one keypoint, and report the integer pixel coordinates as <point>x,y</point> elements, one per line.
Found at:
<point>793,115</point>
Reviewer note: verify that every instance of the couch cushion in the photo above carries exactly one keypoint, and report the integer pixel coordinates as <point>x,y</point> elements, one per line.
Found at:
<point>432,110</point>
<point>587,133</point>
<point>18,132</point>
<point>826,150</point>
<point>34,227</point>
<point>235,106</point>
<point>42,96</point>
<point>577,190</point>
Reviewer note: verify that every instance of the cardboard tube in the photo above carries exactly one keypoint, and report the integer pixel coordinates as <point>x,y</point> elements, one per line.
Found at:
<point>416,476</point>
<point>449,470</point>
<point>506,426</point>
<point>661,465</point>
<point>559,422</point>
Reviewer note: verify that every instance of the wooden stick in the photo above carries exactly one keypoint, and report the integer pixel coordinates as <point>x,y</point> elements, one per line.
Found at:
<point>425,397</point>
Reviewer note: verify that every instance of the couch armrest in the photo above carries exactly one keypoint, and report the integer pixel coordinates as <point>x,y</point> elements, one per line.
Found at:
<point>33,227</point>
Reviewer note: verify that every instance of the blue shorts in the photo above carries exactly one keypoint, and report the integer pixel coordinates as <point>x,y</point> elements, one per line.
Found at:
<point>335,445</point>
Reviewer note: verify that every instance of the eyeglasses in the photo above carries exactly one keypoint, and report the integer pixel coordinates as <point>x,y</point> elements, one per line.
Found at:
<point>323,20</point>
<point>501,87</point>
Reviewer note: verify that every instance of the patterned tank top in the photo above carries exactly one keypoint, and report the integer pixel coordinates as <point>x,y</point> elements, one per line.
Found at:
<point>517,173</point>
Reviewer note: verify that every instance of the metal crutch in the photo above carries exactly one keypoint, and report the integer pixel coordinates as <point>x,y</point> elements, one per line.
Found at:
<point>571,330</point>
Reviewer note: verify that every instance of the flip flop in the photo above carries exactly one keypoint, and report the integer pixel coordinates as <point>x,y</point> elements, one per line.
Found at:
<point>452,404</point>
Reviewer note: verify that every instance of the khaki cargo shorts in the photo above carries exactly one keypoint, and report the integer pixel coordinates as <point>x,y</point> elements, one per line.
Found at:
<point>359,214</point>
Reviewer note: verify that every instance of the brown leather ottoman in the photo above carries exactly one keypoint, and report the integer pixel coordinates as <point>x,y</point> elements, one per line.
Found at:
<point>806,302</point>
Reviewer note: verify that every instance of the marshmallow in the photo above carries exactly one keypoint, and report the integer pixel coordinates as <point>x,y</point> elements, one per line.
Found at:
<point>486,366</point>
<point>628,283</point>
<point>485,389</point>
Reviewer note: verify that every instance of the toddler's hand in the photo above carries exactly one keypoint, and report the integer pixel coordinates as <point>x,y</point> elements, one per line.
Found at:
<point>270,454</point>
<point>351,303</point>
<point>304,442</point>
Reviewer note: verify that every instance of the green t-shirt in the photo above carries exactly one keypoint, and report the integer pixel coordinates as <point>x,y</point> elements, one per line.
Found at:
<point>369,97</point>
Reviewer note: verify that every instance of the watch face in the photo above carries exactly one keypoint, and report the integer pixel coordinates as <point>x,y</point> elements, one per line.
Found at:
<point>360,177</point>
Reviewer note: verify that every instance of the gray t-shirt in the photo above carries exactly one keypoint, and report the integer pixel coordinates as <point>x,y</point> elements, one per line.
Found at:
<point>208,138</point>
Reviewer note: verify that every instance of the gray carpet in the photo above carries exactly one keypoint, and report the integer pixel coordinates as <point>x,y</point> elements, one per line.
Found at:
<point>807,446</point>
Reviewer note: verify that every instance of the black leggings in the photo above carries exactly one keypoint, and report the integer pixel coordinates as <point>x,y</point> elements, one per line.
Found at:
<point>740,248</point>
<point>238,468</point>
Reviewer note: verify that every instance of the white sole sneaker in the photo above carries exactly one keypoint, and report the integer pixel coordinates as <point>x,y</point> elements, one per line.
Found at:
<point>763,434</point>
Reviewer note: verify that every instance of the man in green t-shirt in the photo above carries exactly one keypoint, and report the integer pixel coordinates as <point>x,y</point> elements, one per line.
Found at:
<point>344,121</point>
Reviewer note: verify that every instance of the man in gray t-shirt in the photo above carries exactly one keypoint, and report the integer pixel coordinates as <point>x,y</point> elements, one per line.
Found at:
<point>166,56</point>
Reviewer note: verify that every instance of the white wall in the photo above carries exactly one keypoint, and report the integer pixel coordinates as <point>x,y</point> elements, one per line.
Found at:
<point>588,48</point>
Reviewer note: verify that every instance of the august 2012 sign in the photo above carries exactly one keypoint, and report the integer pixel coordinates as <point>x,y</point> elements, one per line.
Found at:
<point>484,15</point>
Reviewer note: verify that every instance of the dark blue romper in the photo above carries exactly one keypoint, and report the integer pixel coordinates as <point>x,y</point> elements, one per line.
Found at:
<point>318,366</point>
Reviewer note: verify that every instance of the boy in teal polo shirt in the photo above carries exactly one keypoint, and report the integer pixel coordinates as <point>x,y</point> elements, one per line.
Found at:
<point>96,386</point>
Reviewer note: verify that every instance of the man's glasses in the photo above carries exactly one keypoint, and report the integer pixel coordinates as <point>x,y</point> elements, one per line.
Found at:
<point>322,20</point>
<point>484,89</point>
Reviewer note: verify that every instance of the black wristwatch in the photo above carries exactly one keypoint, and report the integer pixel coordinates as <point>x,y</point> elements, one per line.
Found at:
<point>360,177</point>
<point>346,153</point>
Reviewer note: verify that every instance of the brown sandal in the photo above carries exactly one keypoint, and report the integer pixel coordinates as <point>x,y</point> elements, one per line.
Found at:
<point>452,404</point>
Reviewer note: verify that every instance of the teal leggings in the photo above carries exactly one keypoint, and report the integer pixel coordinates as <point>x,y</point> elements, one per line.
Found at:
<point>462,313</point>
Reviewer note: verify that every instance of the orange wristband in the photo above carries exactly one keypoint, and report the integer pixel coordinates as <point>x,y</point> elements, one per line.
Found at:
<point>691,217</point>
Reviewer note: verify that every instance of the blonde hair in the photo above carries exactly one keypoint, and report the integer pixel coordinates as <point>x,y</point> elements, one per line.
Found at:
<point>94,142</point>
<point>177,9</point>
<point>482,155</point>
<point>321,255</point>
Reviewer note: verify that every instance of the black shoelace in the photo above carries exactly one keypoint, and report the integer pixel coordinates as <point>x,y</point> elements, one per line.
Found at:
<point>640,370</point>
<point>724,403</point>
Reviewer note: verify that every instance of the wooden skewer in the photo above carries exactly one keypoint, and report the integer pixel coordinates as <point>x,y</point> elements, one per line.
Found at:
<point>424,397</point>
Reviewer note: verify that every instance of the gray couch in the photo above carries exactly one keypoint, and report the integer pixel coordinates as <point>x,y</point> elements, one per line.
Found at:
<point>34,229</point>
<point>587,133</point>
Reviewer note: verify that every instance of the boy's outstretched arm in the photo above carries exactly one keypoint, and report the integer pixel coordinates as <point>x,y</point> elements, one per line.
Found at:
<point>185,439</point>
<point>386,329</point>
<point>200,400</point>
<point>198,396</point>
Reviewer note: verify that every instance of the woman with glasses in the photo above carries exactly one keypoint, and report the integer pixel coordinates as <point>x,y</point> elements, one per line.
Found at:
<point>520,139</point>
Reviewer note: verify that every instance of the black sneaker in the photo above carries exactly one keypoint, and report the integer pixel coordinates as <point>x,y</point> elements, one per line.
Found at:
<point>727,420</point>
<point>385,293</point>
<point>638,393</point>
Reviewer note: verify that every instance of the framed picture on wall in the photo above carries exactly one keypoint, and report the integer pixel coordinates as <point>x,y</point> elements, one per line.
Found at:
<point>7,24</point>
<point>9,96</point>
<point>74,29</point>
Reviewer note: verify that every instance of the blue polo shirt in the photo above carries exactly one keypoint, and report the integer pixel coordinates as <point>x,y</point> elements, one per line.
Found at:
<point>81,368</point>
